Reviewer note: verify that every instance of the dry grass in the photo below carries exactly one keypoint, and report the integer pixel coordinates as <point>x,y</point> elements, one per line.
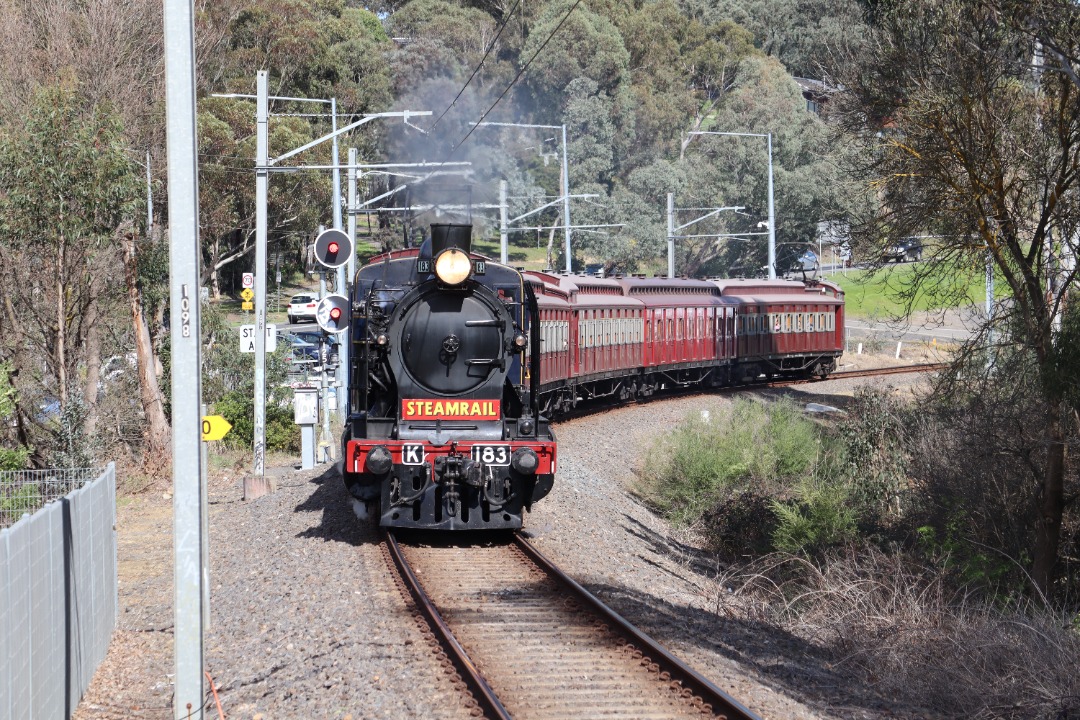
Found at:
<point>900,629</point>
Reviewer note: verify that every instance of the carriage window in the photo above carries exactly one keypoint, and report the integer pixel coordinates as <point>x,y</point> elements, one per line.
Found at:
<point>761,323</point>
<point>787,322</point>
<point>832,321</point>
<point>799,321</point>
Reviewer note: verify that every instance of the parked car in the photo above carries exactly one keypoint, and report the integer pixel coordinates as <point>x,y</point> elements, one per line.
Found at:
<point>302,307</point>
<point>333,343</point>
<point>301,352</point>
<point>906,249</point>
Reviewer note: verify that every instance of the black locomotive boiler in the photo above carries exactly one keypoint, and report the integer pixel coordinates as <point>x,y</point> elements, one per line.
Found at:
<point>444,430</point>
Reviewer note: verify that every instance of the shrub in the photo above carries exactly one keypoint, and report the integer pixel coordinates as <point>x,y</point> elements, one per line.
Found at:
<point>755,449</point>
<point>238,407</point>
<point>822,515</point>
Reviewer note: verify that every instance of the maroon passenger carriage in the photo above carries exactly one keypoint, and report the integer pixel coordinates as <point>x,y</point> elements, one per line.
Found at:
<point>629,337</point>
<point>786,328</point>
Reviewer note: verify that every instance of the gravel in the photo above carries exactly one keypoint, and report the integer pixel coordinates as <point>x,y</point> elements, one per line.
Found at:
<point>307,623</point>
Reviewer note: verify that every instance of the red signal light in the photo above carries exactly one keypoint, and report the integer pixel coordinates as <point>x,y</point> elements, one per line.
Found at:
<point>333,248</point>
<point>335,314</point>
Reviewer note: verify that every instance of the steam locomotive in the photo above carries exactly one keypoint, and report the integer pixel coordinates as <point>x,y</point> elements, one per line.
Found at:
<point>446,431</point>
<point>459,362</point>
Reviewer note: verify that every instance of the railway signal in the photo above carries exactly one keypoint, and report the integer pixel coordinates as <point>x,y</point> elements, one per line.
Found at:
<point>332,313</point>
<point>333,248</point>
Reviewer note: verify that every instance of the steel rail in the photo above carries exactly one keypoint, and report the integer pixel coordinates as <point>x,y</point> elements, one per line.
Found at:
<point>464,664</point>
<point>722,704</point>
<point>898,370</point>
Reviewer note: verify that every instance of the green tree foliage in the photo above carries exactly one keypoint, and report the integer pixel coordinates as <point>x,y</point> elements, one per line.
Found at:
<point>802,34</point>
<point>70,187</point>
<point>311,49</point>
<point>729,171</point>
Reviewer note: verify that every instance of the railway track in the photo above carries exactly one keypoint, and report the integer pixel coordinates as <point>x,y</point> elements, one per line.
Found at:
<point>529,643</point>
<point>899,370</point>
<point>851,375</point>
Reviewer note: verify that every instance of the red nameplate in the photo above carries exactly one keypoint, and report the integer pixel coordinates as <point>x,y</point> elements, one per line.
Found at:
<point>450,410</point>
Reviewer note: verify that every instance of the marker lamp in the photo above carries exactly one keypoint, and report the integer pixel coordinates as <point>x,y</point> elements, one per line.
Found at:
<point>453,266</point>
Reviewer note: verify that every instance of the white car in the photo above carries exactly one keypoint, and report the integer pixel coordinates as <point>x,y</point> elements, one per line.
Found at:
<point>302,307</point>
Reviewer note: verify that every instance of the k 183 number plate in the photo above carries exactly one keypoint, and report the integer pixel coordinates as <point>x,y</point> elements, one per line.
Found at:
<point>491,454</point>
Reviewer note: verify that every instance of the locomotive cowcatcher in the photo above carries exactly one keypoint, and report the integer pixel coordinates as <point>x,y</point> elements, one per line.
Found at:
<point>444,430</point>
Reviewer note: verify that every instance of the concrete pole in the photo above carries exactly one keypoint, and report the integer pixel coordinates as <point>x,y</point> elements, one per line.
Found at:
<point>345,348</point>
<point>184,321</point>
<point>566,200</point>
<point>262,178</point>
<point>671,235</point>
<point>503,250</point>
<point>772,218</point>
<point>341,271</point>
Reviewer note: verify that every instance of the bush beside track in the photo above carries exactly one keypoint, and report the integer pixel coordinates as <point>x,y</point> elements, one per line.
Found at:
<point>888,536</point>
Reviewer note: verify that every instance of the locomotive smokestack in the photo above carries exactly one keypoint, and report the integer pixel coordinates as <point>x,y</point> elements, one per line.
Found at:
<point>450,235</point>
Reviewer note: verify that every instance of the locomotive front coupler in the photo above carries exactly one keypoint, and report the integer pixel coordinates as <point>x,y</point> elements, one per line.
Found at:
<point>457,467</point>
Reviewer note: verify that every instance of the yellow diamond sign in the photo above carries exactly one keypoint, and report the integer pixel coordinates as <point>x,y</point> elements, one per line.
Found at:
<point>247,293</point>
<point>215,427</point>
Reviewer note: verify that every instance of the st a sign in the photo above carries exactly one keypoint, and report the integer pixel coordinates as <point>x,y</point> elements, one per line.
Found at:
<point>247,338</point>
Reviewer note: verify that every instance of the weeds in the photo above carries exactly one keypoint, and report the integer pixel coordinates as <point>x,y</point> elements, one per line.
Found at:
<point>901,628</point>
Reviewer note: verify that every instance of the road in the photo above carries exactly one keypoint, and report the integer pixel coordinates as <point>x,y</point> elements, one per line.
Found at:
<point>956,326</point>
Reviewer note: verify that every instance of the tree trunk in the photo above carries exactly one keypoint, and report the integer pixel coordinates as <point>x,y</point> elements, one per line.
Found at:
<point>93,363</point>
<point>1051,504</point>
<point>61,323</point>
<point>157,426</point>
<point>215,286</point>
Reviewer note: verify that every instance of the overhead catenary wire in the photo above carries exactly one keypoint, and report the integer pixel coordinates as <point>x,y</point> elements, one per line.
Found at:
<point>479,65</point>
<point>514,81</point>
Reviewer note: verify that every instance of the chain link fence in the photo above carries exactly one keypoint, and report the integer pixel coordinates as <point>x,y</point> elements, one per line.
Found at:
<point>23,492</point>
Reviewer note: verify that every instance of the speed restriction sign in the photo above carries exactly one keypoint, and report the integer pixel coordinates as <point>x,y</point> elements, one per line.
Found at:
<point>249,280</point>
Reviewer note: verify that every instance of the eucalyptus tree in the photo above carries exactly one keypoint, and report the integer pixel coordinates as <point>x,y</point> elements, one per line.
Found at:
<point>317,50</point>
<point>734,172</point>
<point>967,135</point>
<point>71,193</point>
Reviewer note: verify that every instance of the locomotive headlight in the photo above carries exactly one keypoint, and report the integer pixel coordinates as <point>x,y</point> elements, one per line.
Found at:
<point>453,266</point>
<point>382,339</point>
<point>520,341</point>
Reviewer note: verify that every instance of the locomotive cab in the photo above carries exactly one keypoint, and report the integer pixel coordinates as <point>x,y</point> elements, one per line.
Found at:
<point>446,431</point>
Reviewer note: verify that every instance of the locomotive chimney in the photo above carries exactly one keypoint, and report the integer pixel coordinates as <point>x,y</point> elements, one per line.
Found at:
<point>450,235</point>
